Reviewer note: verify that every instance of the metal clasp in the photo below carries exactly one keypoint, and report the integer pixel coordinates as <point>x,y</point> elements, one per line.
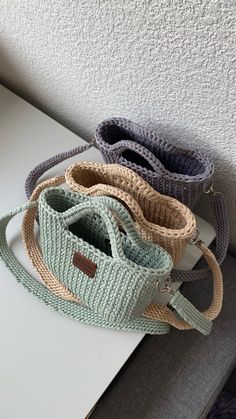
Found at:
<point>92,141</point>
<point>196,240</point>
<point>209,189</point>
<point>167,287</point>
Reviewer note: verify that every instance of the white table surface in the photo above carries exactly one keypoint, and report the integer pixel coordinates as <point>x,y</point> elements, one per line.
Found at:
<point>51,367</point>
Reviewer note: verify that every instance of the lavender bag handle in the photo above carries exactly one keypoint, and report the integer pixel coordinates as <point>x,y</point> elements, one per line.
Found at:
<point>43,167</point>
<point>118,148</point>
<point>128,145</point>
<point>218,204</point>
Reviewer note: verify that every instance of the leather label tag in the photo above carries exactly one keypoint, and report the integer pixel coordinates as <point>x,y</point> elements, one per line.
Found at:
<point>87,266</point>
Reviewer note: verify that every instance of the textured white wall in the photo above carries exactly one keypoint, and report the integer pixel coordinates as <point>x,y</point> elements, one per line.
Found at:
<point>167,64</point>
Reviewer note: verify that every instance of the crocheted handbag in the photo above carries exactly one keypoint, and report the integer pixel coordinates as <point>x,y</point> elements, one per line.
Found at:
<point>158,218</point>
<point>154,311</point>
<point>181,173</point>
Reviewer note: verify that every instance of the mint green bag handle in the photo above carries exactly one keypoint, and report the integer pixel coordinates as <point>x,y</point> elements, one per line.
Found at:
<point>84,314</point>
<point>106,205</point>
<point>79,211</point>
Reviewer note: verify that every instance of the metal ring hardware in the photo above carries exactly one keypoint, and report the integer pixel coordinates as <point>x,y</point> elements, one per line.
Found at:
<point>92,141</point>
<point>195,239</point>
<point>167,286</point>
<point>209,189</point>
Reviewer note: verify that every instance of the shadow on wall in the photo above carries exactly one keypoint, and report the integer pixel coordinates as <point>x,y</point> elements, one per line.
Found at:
<point>13,73</point>
<point>23,86</point>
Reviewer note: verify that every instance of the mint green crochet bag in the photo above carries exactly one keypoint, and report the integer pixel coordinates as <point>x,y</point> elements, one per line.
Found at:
<point>125,268</point>
<point>115,274</point>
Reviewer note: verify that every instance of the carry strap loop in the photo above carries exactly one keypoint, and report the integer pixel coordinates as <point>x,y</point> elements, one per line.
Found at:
<point>90,208</point>
<point>119,214</point>
<point>43,167</point>
<point>127,145</point>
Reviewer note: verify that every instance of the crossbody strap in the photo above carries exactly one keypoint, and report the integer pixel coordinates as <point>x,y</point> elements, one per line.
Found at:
<point>218,205</point>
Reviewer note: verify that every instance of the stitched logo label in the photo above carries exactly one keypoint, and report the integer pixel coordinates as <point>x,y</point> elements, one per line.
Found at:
<point>87,266</point>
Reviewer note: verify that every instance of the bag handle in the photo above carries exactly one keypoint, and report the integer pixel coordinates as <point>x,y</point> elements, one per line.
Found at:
<point>78,211</point>
<point>122,216</point>
<point>43,167</point>
<point>128,145</point>
<point>118,148</point>
<point>192,317</point>
<point>69,308</point>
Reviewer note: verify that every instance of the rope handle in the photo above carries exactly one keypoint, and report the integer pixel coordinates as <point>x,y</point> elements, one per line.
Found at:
<point>120,216</point>
<point>112,212</point>
<point>128,145</point>
<point>99,208</point>
<point>192,317</point>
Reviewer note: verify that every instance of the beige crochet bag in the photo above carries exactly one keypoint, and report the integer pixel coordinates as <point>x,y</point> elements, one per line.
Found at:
<point>159,218</point>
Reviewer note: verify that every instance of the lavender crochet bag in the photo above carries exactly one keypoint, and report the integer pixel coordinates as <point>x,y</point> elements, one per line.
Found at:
<point>181,173</point>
